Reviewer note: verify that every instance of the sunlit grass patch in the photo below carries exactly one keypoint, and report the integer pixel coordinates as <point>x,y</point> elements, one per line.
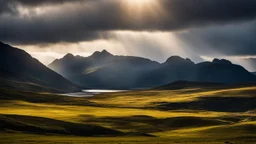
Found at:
<point>138,112</point>
<point>149,97</point>
<point>72,113</point>
<point>221,131</point>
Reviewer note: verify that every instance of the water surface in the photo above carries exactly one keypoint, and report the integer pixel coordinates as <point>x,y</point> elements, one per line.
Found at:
<point>91,92</point>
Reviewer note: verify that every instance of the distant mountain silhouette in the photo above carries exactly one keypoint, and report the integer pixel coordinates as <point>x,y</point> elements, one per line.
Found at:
<point>223,71</point>
<point>19,70</point>
<point>173,69</point>
<point>217,71</point>
<point>221,61</point>
<point>104,70</point>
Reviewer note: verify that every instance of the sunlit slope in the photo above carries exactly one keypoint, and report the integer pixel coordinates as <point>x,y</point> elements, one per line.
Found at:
<point>155,98</point>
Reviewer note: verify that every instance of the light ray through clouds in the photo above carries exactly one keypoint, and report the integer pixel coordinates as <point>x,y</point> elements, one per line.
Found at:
<point>155,29</point>
<point>157,46</point>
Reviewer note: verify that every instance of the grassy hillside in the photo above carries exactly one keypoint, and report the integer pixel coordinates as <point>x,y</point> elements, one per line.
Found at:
<point>194,115</point>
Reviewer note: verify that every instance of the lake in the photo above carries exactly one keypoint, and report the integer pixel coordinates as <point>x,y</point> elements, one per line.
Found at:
<point>91,92</point>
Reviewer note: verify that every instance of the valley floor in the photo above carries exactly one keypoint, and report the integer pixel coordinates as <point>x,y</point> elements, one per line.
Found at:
<point>192,116</point>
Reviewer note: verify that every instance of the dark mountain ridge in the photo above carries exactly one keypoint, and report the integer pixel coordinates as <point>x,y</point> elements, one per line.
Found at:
<point>19,69</point>
<point>104,70</point>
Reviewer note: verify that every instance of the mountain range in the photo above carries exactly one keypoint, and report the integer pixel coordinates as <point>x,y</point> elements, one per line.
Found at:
<point>21,71</point>
<point>105,70</point>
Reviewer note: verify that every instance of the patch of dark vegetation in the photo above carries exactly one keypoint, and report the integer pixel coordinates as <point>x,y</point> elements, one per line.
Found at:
<point>219,104</point>
<point>190,84</point>
<point>237,119</point>
<point>238,131</point>
<point>139,134</point>
<point>34,97</point>
<point>39,125</point>
<point>147,124</point>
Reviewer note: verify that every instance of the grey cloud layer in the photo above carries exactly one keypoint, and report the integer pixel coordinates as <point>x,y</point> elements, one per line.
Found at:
<point>79,20</point>
<point>10,6</point>
<point>229,40</point>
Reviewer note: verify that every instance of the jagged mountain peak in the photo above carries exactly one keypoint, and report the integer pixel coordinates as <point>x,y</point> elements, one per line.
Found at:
<point>69,55</point>
<point>221,61</point>
<point>103,53</point>
<point>178,59</point>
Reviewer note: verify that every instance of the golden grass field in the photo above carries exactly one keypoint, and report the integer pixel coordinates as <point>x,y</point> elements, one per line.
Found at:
<point>195,115</point>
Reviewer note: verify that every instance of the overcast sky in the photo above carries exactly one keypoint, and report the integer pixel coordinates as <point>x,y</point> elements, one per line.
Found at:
<point>156,29</point>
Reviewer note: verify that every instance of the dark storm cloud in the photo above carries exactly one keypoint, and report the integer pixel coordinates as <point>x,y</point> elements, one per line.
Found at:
<point>6,7</point>
<point>229,40</point>
<point>9,6</point>
<point>91,19</point>
<point>34,2</point>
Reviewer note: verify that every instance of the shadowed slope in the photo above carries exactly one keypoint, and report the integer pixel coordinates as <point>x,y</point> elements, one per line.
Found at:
<point>40,125</point>
<point>18,66</point>
<point>147,124</point>
<point>103,70</point>
<point>220,104</point>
